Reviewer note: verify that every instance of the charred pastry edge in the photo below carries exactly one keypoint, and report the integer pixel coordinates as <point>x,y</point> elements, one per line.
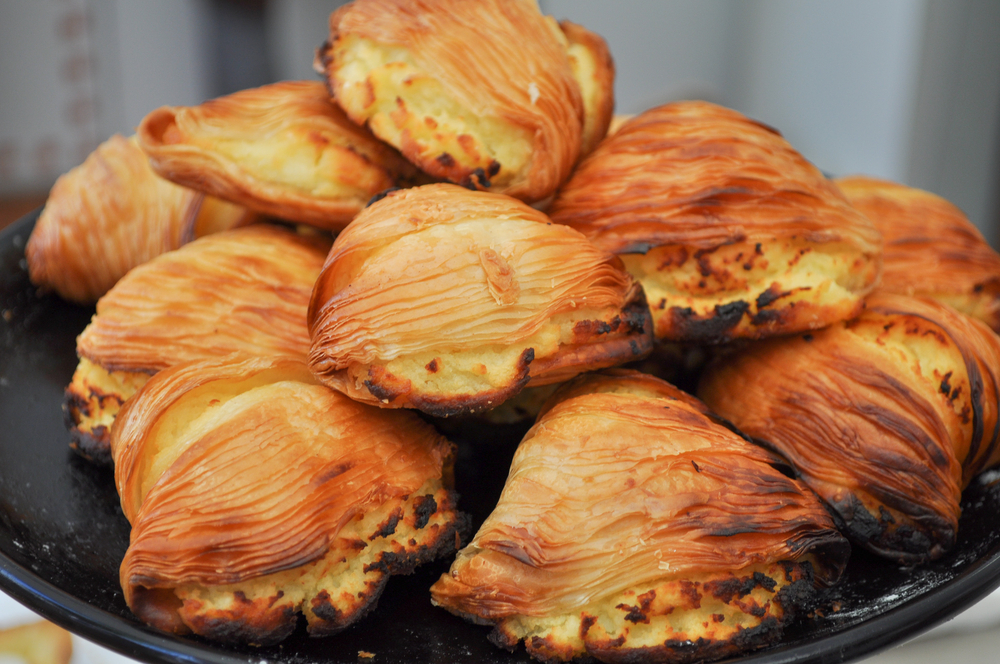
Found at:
<point>271,631</point>
<point>93,445</point>
<point>792,598</point>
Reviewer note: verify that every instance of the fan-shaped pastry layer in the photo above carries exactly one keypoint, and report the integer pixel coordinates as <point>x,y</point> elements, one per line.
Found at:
<point>255,494</point>
<point>633,524</point>
<point>451,301</point>
<point>283,149</point>
<point>478,93</point>
<point>931,248</point>
<point>887,417</point>
<point>245,290</point>
<point>111,214</point>
<point>731,232</point>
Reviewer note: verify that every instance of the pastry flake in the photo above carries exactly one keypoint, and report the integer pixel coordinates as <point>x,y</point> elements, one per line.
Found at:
<point>482,94</point>
<point>451,301</point>
<point>111,214</point>
<point>634,525</point>
<point>256,494</point>
<point>931,248</point>
<point>887,417</point>
<point>282,149</point>
<point>732,233</point>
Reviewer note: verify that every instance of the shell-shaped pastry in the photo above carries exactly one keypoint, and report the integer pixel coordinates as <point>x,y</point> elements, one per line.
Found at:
<point>478,93</point>
<point>732,233</point>
<point>245,290</point>
<point>635,526</point>
<point>256,494</point>
<point>282,149</point>
<point>931,248</point>
<point>887,417</point>
<point>451,301</point>
<point>111,214</point>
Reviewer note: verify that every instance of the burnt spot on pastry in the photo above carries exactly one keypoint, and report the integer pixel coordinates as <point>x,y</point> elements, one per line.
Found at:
<point>424,508</point>
<point>258,622</point>
<point>445,159</point>
<point>386,387</point>
<point>388,527</point>
<point>713,329</point>
<point>493,168</point>
<point>433,365</point>
<point>476,180</point>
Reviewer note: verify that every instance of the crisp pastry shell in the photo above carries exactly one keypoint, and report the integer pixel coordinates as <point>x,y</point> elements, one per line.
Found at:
<point>282,149</point>
<point>451,301</point>
<point>482,94</point>
<point>625,497</point>
<point>887,417</point>
<point>731,231</point>
<point>255,494</point>
<point>111,214</point>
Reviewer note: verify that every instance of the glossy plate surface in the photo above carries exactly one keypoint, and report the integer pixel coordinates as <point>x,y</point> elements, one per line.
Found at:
<point>62,533</point>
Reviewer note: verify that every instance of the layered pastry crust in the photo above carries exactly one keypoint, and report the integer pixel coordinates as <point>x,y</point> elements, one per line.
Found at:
<point>256,494</point>
<point>887,417</point>
<point>931,248</point>
<point>111,214</point>
<point>483,94</point>
<point>245,290</point>
<point>636,526</point>
<point>283,149</point>
<point>451,301</point>
<point>731,232</point>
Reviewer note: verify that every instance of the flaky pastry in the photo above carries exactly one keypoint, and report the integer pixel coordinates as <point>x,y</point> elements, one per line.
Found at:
<point>256,494</point>
<point>732,233</point>
<point>887,417</point>
<point>244,290</point>
<point>634,526</point>
<point>931,248</point>
<point>111,214</point>
<point>451,301</point>
<point>487,94</point>
<point>283,149</point>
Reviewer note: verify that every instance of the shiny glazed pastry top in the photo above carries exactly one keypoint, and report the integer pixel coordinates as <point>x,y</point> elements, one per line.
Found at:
<point>628,512</point>
<point>282,149</point>
<point>731,231</point>
<point>487,94</point>
<point>887,417</point>
<point>931,248</point>
<point>451,301</point>
<point>112,213</point>
<point>255,493</point>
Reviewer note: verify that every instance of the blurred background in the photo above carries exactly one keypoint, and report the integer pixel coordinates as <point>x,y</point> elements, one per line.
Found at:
<point>903,89</point>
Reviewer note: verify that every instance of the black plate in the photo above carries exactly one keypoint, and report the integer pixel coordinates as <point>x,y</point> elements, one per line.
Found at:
<point>62,533</point>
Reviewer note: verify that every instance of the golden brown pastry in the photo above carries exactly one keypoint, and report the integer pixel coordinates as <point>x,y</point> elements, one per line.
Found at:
<point>931,248</point>
<point>244,290</point>
<point>256,494</point>
<point>38,642</point>
<point>451,301</point>
<point>111,214</point>
<point>282,149</point>
<point>731,232</point>
<point>887,417</point>
<point>485,94</point>
<point>636,527</point>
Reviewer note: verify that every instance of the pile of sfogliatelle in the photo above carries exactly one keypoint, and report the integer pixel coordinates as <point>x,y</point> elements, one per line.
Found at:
<point>253,384</point>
